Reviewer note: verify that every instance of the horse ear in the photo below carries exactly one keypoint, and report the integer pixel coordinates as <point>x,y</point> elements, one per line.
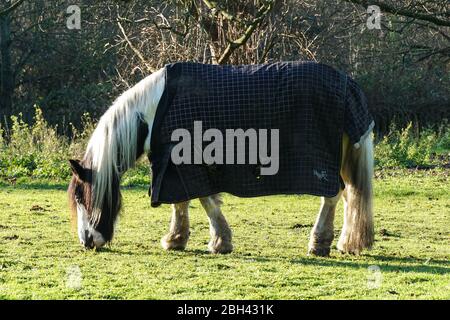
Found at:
<point>77,168</point>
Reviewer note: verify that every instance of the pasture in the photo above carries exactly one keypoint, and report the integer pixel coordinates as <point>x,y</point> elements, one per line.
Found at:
<point>40,257</point>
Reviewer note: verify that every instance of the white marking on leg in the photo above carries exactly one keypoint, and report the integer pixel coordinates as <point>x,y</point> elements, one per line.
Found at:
<point>218,227</point>
<point>179,227</point>
<point>322,233</point>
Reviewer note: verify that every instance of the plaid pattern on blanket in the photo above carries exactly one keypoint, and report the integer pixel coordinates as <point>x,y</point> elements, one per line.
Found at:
<point>311,104</point>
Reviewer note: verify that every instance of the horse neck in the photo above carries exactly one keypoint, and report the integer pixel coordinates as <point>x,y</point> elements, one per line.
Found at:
<point>151,88</point>
<point>113,147</point>
<point>131,116</point>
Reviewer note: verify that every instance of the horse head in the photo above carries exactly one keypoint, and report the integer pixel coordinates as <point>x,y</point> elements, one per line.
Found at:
<point>95,213</point>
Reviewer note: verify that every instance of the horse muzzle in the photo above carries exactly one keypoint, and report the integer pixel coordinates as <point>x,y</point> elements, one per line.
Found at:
<point>92,240</point>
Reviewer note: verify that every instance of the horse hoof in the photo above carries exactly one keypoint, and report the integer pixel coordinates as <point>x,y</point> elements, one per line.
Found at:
<point>352,250</point>
<point>174,242</point>
<point>220,246</point>
<point>320,252</point>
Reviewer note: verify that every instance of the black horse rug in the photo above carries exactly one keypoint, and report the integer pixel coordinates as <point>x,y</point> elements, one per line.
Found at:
<point>309,105</point>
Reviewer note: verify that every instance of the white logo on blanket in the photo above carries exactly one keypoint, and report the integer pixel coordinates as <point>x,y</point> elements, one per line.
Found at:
<point>216,152</point>
<point>322,175</point>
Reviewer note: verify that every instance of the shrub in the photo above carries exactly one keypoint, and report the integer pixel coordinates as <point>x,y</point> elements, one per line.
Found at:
<point>37,150</point>
<point>404,148</point>
<point>140,175</point>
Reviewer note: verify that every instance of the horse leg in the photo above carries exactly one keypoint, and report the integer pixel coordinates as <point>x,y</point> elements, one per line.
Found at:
<point>218,227</point>
<point>322,234</point>
<point>178,235</point>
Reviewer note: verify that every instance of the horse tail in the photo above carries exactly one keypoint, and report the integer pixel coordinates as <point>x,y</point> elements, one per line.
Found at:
<point>357,172</point>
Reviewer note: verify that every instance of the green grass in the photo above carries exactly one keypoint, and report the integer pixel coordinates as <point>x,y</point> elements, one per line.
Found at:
<point>38,249</point>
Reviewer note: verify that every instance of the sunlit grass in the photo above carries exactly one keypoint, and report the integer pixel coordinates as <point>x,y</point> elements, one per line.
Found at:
<point>39,252</point>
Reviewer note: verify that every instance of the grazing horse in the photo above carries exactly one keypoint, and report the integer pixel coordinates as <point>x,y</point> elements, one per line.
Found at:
<point>126,131</point>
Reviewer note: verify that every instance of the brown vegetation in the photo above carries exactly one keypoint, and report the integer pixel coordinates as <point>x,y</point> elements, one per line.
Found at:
<point>403,67</point>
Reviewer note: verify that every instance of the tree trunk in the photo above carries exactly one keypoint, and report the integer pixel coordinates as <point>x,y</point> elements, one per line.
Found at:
<point>6,70</point>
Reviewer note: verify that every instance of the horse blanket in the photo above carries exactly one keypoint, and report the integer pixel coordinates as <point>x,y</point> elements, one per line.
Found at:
<point>310,104</point>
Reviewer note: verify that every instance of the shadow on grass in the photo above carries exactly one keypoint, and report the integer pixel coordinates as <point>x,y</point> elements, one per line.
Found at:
<point>51,185</point>
<point>150,251</point>
<point>387,263</point>
<point>411,259</point>
<point>115,250</point>
<point>390,264</point>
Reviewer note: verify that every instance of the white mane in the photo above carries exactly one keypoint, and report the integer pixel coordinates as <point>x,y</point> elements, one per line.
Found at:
<point>114,141</point>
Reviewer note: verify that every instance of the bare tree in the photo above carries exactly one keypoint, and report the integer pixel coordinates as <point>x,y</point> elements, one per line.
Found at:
<point>7,77</point>
<point>403,66</point>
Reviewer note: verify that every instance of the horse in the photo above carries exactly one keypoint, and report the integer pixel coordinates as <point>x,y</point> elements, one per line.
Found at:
<point>123,134</point>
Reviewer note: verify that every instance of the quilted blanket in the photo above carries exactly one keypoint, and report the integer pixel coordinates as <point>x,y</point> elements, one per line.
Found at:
<point>308,105</point>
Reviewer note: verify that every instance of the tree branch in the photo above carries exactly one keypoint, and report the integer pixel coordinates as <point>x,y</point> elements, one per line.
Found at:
<point>233,45</point>
<point>11,8</point>
<point>135,50</point>
<point>158,26</point>
<point>403,12</point>
<point>212,5</point>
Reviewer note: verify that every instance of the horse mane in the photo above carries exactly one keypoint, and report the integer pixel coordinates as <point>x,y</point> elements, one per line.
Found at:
<point>112,148</point>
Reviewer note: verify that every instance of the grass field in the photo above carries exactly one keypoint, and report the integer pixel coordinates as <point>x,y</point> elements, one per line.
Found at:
<point>40,257</point>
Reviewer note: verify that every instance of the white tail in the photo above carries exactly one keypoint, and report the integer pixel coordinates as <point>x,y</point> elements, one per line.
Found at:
<point>357,172</point>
